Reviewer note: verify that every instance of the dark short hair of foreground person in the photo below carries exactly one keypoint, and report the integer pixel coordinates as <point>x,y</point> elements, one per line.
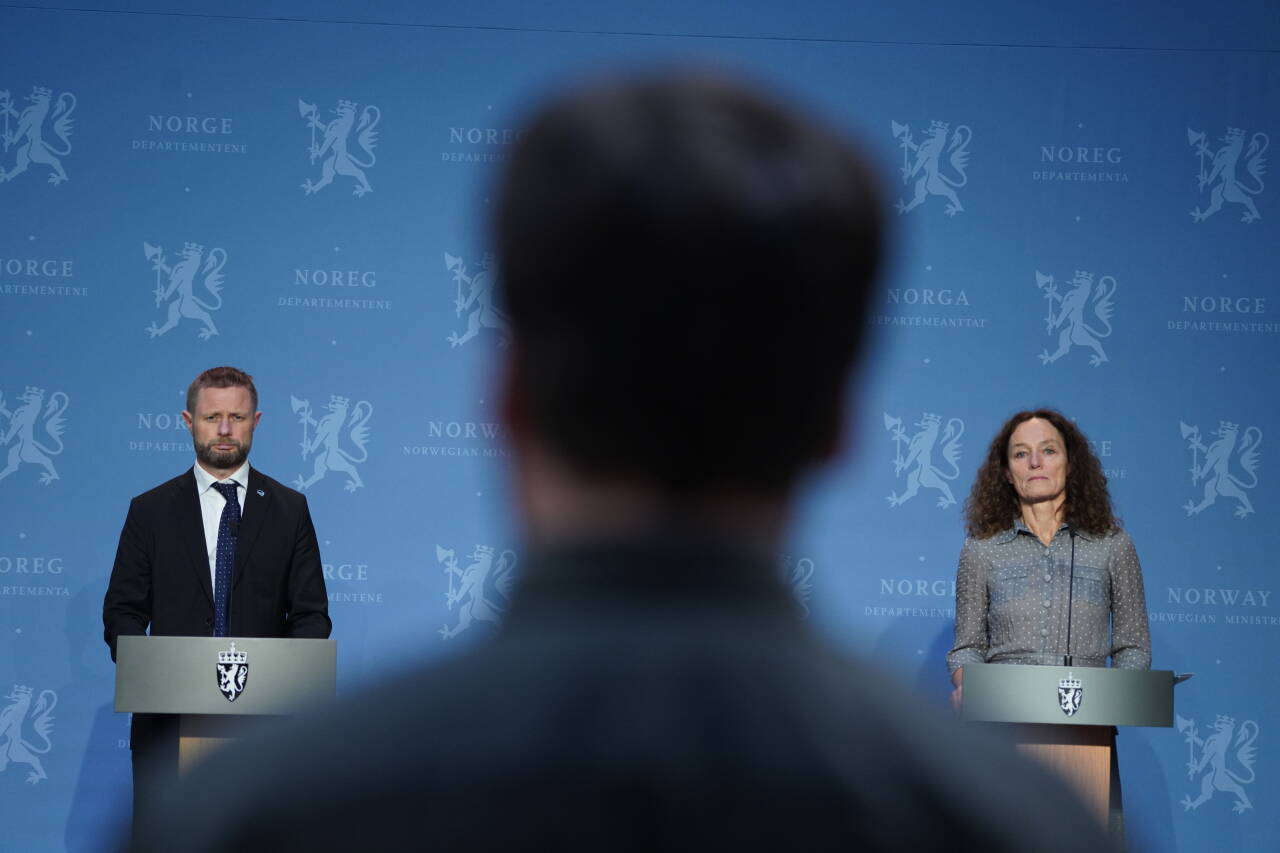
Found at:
<point>686,264</point>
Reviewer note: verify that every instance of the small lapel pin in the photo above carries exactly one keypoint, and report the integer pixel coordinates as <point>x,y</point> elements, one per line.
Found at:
<point>261,493</point>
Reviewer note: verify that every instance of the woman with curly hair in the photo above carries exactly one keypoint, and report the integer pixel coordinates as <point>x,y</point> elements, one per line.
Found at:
<point>1041,528</point>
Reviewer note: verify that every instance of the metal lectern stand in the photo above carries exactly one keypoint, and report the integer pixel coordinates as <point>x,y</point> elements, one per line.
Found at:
<point>218,685</point>
<point>1063,716</point>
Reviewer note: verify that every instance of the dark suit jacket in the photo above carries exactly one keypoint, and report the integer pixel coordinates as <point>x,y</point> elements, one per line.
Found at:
<point>641,696</point>
<point>161,579</point>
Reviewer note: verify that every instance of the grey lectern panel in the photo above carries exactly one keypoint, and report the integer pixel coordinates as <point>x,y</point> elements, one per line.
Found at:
<point>1011,693</point>
<point>196,675</point>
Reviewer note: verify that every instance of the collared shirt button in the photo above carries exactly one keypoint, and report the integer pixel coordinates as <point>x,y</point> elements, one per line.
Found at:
<point>1046,602</point>
<point>1048,577</point>
<point>1044,632</point>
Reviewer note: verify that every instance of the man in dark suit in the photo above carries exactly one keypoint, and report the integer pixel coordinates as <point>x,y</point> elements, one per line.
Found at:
<point>687,267</point>
<point>220,550</point>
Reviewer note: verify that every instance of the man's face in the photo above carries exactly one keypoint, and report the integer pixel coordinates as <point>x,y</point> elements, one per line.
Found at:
<point>222,427</point>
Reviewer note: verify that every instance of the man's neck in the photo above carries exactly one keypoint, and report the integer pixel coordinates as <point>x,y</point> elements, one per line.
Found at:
<point>559,506</point>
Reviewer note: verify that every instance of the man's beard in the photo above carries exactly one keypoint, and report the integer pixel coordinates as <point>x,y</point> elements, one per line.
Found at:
<point>222,460</point>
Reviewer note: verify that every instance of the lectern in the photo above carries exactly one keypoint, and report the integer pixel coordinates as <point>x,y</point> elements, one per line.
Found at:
<point>1063,716</point>
<point>218,686</point>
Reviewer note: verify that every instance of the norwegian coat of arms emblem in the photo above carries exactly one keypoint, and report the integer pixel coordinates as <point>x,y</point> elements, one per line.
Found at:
<point>30,422</point>
<point>325,445</point>
<point>1218,171</point>
<point>482,590</point>
<point>334,151</point>
<point>233,672</point>
<point>1225,761</point>
<point>181,286</point>
<point>1216,469</point>
<point>1082,304</point>
<point>932,174</point>
<point>26,726</point>
<point>29,133</point>
<point>478,302</point>
<point>917,461</point>
<point>1070,694</point>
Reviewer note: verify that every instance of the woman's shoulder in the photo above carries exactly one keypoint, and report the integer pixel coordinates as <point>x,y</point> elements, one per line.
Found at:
<point>1115,541</point>
<point>1116,535</point>
<point>988,543</point>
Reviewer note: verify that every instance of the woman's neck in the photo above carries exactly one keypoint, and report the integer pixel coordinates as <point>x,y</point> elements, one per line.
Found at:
<point>1043,518</point>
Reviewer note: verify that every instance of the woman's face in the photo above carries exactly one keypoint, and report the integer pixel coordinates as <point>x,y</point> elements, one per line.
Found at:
<point>1036,464</point>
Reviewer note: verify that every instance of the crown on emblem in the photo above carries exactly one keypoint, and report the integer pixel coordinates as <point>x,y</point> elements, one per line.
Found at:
<point>1069,683</point>
<point>1234,132</point>
<point>193,247</point>
<point>232,656</point>
<point>483,550</point>
<point>931,418</point>
<point>939,125</point>
<point>338,400</point>
<point>20,690</point>
<point>344,104</point>
<point>1084,276</point>
<point>1228,425</point>
<point>41,90</point>
<point>1223,719</point>
<point>32,389</point>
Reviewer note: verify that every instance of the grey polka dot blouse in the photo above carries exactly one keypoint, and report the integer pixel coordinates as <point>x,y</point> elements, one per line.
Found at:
<point>1011,601</point>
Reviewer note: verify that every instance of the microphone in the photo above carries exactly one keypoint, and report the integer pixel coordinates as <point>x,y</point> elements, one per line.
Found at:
<point>1071,578</point>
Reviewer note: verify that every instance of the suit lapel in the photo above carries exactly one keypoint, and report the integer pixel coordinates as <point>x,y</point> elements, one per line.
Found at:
<point>259,505</point>
<point>191,531</point>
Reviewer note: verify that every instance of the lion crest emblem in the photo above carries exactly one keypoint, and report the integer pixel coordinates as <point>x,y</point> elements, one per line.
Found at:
<point>325,444</point>
<point>25,730</point>
<point>1218,766</point>
<point>914,455</point>
<point>233,672</point>
<point>1083,315</point>
<point>1218,176</point>
<point>1070,694</point>
<point>179,286</point>
<point>1215,468</point>
<point>333,149</point>
<point>27,132</point>
<point>797,574</point>
<point>940,163</point>
<point>477,302</point>
<point>30,425</point>
<point>482,590</point>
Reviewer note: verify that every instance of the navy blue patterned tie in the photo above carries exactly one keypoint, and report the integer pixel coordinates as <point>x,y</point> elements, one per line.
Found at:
<point>225,559</point>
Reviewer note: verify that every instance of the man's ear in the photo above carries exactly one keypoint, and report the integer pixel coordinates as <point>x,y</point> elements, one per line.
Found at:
<point>512,402</point>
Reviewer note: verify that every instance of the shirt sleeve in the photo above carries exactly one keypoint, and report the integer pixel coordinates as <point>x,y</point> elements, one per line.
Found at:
<point>971,640</point>
<point>1130,629</point>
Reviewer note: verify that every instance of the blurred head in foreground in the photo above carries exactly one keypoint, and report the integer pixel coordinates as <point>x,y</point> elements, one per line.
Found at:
<point>686,264</point>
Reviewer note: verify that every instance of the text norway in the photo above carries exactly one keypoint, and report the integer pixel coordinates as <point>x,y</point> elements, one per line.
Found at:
<point>1216,596</point>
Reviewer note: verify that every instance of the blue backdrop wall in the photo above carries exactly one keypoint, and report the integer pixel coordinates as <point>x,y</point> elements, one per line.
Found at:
<point>1087,220</point>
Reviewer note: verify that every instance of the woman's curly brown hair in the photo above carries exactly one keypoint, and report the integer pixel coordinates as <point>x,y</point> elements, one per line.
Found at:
<point>993,505</point>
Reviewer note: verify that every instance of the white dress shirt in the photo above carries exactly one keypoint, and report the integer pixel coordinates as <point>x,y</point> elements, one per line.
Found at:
<point>211,505</point>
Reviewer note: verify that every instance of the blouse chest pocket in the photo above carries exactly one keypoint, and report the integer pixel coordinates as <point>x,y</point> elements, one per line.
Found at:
<point>1008,583</point>
<point>1091,584</point>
